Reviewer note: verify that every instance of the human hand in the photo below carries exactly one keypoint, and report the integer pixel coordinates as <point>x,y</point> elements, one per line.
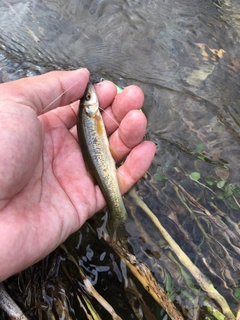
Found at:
<point>46,192</point>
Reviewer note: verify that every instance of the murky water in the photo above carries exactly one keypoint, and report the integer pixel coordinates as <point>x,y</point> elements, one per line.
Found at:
<point>185,55</point>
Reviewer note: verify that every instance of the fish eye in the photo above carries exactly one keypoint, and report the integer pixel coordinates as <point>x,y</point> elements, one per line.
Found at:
<point>88,96</point>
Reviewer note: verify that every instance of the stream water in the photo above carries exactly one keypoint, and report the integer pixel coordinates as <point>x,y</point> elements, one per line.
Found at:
<point>185,55</point>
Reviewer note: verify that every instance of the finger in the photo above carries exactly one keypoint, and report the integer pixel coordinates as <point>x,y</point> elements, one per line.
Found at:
<point>136,164</point>
<point>106,92</point>
<point>67,114</point>
<point>128,135</point>
<point>45,92</point>
<point>131,98</point>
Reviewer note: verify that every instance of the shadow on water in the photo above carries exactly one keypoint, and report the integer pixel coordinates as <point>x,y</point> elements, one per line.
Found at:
<point>185,56</point>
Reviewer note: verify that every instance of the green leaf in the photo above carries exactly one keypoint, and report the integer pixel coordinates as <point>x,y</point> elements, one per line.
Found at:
<point>228,191</point>
<point>201,158</point>
<point>236,188</point>
<point>231,203</point>
<point>199,148</point>
<point>220,184</point>
<point>209,181</point>
<point>195,175</point>
<point>237,293</point>
<point>159,177</point>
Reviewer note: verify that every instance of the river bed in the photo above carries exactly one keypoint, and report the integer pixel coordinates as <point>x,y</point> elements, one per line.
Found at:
<point>185,55</point>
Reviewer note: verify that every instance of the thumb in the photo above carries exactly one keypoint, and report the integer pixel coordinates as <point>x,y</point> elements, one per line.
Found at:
<point>48,91</point>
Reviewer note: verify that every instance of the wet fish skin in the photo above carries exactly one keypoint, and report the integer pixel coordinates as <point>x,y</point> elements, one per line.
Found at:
<point>97,156</point>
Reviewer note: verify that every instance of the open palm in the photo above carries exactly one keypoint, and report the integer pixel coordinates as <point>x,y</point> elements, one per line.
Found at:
<point>46,192</point>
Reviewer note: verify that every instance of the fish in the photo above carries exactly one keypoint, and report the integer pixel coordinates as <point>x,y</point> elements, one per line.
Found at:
<point>98,158</point>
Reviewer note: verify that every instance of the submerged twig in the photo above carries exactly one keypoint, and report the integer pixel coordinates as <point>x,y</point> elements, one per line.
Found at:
<point>144,275</point>
<point>131,288</point>
<point>238,314</point>
<point>95,315</point>
<point>226,216</point>
<point>202,280</point>
<point>90,289</point>
<point>9,306</point>
<point>186,235</point>
<point>216,221</point>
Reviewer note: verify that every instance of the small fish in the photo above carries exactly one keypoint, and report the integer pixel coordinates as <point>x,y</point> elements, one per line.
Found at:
<point>98,158</point>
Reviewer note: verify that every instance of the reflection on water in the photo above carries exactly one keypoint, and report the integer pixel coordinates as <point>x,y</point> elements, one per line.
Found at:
<point>185,56</point>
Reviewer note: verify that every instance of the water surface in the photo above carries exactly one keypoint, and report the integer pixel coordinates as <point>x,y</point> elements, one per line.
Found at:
<point>185,57</point>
